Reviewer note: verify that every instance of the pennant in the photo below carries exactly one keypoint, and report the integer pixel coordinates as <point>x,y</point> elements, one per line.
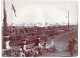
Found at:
<point>13,9</point>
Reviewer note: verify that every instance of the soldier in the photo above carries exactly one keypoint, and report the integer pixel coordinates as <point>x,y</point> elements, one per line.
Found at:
<point>53,45</point>
<point>7,41</point>
<point>71,46</point>
<point>7,44</point>
<point>52,42</point>
<point>23,45</point>
<point>45,43</point>
<point>37,46</point>
<point>37,41</point>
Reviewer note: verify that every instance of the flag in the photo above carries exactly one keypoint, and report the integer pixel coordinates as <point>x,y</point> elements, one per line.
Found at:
<point>13,9</point>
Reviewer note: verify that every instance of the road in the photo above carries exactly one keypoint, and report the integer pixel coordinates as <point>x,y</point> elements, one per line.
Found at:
<point>61,43</point>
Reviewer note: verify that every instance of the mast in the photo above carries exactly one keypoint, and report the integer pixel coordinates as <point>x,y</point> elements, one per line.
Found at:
<point>4,20</point>
<point>68,20</point>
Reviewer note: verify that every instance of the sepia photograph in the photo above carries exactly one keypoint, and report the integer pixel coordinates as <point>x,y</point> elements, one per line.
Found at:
<point>39,28</point>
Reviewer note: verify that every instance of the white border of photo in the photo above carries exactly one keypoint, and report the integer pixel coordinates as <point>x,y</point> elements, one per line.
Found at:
<point>45,57</point>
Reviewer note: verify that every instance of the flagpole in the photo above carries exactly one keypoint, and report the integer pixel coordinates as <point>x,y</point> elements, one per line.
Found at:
<point>11,12</point>
<point>11,17</point>
<point>4,19</point>
<point>68,20</point>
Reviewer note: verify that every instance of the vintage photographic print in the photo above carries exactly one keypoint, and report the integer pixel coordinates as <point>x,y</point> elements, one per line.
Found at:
<point>39,28</point>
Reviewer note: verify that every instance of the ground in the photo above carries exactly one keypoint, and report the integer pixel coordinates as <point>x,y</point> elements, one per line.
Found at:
<point>61,43</point>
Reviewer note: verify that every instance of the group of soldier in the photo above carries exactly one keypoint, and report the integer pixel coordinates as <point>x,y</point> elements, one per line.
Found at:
<point>37,44</point>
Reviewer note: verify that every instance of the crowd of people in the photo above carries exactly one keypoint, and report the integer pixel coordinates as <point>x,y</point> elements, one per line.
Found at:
<point>24,37</point>
<point>25,50</point>
<point>37,48</point>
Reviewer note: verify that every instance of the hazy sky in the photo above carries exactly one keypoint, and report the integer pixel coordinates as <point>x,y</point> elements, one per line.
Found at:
<point>52,12</point>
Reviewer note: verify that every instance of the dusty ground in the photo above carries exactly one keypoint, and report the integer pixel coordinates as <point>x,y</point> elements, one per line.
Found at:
<point>61,42</point>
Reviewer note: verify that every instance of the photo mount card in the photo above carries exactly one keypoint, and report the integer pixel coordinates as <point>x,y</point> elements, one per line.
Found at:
<point>39,28</point>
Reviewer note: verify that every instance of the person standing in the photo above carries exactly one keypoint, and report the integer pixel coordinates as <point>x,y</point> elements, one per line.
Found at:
<point>7,44</point>
<point>37,41</point>
<point>52,42</point>
<point>71,46</point>
<point>45,43</point>
<point>23,45</point>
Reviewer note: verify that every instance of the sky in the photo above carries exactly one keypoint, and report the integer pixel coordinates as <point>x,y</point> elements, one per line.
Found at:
<point>41,11</point>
